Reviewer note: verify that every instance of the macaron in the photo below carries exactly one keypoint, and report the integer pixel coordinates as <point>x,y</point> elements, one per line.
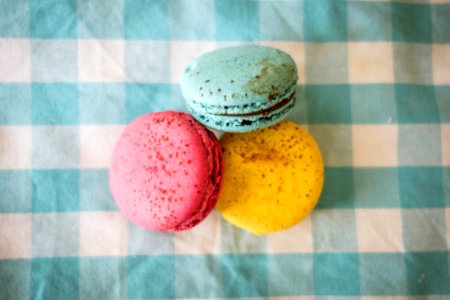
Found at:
<point>166,171</point>
<point>273,177</point>
<point>240,89</point>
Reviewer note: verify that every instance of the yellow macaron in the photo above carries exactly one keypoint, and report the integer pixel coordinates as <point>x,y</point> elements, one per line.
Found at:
<point>272,177</point>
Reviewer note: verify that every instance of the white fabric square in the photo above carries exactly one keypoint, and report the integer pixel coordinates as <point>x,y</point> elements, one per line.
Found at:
<point>183,52</point>
<point>296,50</point>
<point>103,234</point>
<point>374,145</point>
<point>15,236</point>
<point>379,230</point>
<point>101,61</point>
<point>97,144</point>
<point>204,238</point>
<point>370,62</point>
<point>441,64</point>
<point>15,147</point>
<point>15,60</point>
<point>297,239</point>
<point>445,142</point>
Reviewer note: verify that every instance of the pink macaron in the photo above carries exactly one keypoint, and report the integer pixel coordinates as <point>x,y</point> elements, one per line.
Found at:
<point>166,171</point>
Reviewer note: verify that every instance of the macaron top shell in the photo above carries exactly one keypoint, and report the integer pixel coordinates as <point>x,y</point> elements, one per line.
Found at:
<point>273,177</point>
<point>241,79</point>
<point>165,173</point>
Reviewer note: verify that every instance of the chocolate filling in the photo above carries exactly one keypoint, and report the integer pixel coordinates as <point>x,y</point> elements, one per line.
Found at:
<point>266,111</point>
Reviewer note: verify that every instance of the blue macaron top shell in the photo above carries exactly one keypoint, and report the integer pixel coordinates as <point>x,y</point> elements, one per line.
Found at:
<point>223,85</point>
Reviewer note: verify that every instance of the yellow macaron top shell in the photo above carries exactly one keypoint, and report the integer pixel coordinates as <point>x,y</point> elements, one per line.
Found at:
<point>272,177</point>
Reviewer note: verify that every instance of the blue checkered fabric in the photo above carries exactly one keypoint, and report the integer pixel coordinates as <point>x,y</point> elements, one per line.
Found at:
<point>374,91</point>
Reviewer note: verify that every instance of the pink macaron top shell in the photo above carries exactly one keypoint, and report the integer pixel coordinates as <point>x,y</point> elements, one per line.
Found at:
<point>166,171</point>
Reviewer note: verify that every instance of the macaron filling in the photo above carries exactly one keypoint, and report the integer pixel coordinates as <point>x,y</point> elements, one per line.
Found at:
<point>266,111</point>
<point>239,123</point>
<point>247,108</point>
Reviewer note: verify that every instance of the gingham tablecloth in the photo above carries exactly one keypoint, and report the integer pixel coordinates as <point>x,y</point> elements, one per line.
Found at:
<point>374,91</point>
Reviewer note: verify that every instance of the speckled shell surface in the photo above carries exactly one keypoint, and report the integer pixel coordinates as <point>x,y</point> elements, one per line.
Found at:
<point>241,79</point>
<point>273,177</point>
<point>166,171</point>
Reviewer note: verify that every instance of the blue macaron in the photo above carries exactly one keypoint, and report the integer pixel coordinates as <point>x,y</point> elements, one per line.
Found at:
<point>240,89</point>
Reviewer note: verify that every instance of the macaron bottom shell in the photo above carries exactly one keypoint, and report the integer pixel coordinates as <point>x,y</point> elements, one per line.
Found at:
<point>273,177</point>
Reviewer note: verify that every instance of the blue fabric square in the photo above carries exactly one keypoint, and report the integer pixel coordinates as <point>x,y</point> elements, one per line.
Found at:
<point>419,145</point>
<point>376,188</point>
<point>328,104</point>
<point>411,23</point>
<point>55,278</point>
<point>373,103</point>
<point>427,273</point>
<point>55,234</point>
<point>336,274</point>
<point>100,19</point>
<point>290,274</point>
<point>55,103</point>
<point>101,103</point>
<point>424,229</point>
<point>156,270</point>
<point>56,147</point>
<point>14,20</point>
<point>145,98</point>
<point>103,278</point>
<point>421,187</point>
<point>177,99</point>
<point>382,274</point>
<point>413,63</point>
<point>202,279</point>
<point>14,276</point>
<point>15,191</point>
<point>237,20</point>
<point>369,21</point>
<point>443,101</point>
<point>446,184</point>
<point>146,19</point>
<point>15,104</point>
<point>440,14</point>
<point>53,18</point>
<point>416,104</point>
<point>338,190</point>
<point>192,19</point>
<point>55,190</point>
<point>142,241</point>
<point>281,20</point>
<point>244,275</point>
<point>334,230</point>
<point>95,194</point>
<point>325,21</point>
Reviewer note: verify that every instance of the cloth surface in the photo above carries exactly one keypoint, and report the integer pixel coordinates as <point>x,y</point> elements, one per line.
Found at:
<point>374,91</point>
